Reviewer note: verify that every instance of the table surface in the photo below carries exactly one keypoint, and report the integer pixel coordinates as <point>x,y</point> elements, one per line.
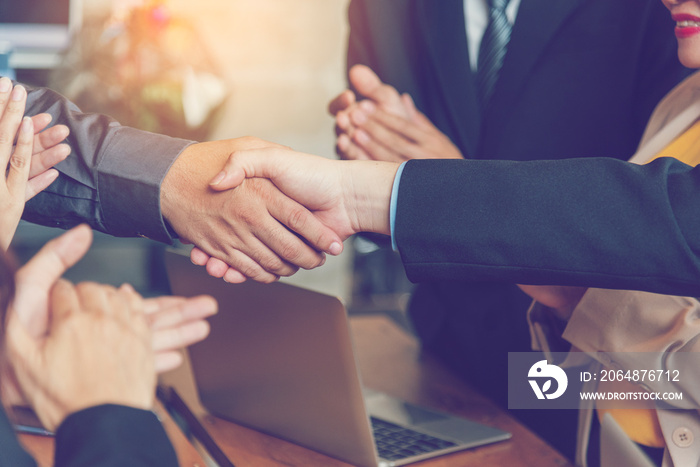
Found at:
<point>390,361</point>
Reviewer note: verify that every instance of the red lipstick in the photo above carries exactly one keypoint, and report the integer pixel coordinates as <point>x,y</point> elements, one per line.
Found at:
<point>683,32</point>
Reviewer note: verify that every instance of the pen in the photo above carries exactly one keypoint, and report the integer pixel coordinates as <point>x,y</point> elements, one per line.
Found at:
<point>173,403</point>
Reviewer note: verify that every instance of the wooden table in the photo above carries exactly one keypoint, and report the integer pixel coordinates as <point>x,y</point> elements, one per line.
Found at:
<point>391,362</point>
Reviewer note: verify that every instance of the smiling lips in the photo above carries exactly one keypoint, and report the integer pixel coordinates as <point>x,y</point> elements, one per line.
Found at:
<point>686,25</point>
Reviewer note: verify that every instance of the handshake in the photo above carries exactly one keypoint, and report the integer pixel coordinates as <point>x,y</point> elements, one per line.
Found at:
<point>319,200</point>
<point>329,200</point>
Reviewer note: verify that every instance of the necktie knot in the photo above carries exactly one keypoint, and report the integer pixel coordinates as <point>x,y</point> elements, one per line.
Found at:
<point>498,5</point>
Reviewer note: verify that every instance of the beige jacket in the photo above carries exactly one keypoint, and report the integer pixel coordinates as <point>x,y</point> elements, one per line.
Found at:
<point>607,321</point>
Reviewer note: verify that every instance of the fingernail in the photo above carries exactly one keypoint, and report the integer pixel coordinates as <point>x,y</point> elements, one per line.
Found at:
<point>323,261</point>
<point>216,180</point>
<point>368,106</point>
<point>17,93</point>
<point>335,249</point>
<point>5,85</point>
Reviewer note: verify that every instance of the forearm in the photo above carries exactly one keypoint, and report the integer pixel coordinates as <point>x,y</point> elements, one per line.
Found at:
<point>112,178</point>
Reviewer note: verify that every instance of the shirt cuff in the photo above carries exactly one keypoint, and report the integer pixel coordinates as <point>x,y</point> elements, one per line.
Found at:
<point>129,179</point>
<point>393,204</point>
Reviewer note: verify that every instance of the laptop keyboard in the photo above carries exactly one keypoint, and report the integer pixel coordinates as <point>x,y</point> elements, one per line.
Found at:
<point>396,442</point>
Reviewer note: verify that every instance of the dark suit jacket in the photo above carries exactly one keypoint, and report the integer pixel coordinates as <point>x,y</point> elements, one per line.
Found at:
<point>580,79</point>
<point>102,436</point>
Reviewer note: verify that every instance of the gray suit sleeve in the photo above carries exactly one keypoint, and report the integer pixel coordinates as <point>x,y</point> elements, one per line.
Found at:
<point>111,180</point>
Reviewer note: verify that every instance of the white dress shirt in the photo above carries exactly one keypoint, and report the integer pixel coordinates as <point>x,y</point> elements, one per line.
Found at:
<point>476,18</point>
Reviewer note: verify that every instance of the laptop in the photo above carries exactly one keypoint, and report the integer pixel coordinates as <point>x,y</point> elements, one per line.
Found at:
<point>280,360</point>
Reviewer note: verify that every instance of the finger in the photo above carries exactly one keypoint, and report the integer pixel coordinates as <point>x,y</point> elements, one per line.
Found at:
<point>369,85</point>
<point>36,279</point>
<point>135,302</point>
<point>341,102</point>
<point>376,150</point>
<point>5,91</point>
<point>9,124</point>
<point>198,257</point>
<point>97,298</point>
<point>41,121</point>
<point>46,159</point>
<point>39,183</point>
<point>181,311</point>
<point>263,163</point>
<point>63,302</point>
<point>300,220</point>
<point>415,115</point>
<point>166,361</point>
<point>233,276</point>
<point>177,337</point>
<point>347,150</point>
<point>247,266</point>
<point>395,134</point>
<point>46,139</point>
<point>18,173</point>
<point>59,254</point>
<point>343,121</point>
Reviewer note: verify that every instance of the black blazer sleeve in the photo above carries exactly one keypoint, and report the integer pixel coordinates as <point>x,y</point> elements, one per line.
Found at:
<point>587,222</point>
<point>113,436</point>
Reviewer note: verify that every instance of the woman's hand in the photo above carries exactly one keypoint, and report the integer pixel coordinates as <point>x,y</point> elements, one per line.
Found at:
<point>176,322</point>
<point>98,351</point>
<point>14,160</point>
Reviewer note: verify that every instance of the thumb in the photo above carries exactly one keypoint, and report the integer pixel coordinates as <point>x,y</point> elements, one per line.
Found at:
<point>244,164</point>
<point>52,261</point>
<point>36,279</point>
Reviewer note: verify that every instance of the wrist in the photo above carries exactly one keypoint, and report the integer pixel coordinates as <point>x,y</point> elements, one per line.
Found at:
<point>368,196</point>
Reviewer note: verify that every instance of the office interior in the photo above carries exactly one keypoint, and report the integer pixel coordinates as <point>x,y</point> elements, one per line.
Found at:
<point>268,69</point>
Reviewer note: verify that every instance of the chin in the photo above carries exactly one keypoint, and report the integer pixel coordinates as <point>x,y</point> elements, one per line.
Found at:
<point>689,58</point>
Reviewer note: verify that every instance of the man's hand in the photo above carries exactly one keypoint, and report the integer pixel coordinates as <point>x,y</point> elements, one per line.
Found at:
<point>97,351</point>
<point>387,137</point>
<point>252,228</point>
<point>368,86</point>
<point>175,322</point>
<point>347,196</point>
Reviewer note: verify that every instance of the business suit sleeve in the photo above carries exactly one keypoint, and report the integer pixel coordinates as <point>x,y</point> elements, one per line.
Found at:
<point>588,222</point>
<point>12,454</point>
<point>113,436</point>
<point>111,179</point>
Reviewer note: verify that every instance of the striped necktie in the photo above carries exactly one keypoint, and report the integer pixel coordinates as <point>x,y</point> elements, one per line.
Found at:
<point>492,49</point>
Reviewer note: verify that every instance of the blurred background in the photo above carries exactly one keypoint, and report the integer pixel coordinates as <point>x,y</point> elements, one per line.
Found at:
<point>203,70</point>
